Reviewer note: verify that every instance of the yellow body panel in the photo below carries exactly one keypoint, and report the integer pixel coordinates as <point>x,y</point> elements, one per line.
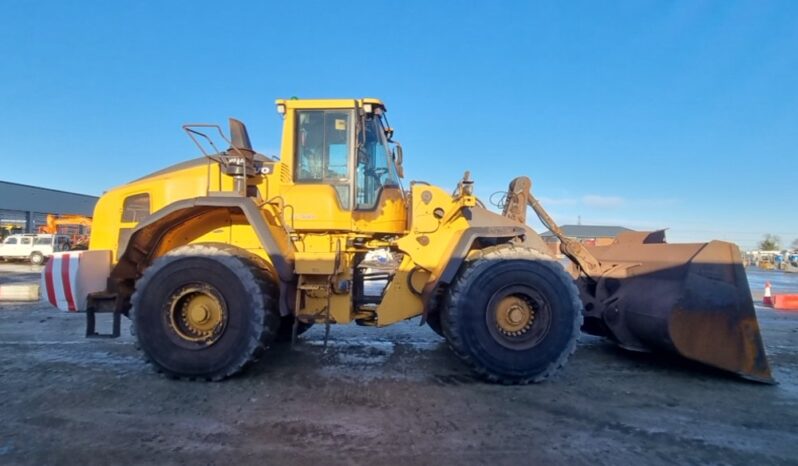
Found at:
<point>429,244</point>
<point>315,263</point>
<point>389,216</point>
<point>400,302</point>
<point>163,189</point>
<point>315,207</point>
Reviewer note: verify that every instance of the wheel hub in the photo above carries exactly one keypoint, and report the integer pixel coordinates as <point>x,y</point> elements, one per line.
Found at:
<point>514,316</point>
<point>197,314</point>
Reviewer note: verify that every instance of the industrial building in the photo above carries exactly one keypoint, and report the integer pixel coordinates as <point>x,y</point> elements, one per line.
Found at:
<point>23,208</point>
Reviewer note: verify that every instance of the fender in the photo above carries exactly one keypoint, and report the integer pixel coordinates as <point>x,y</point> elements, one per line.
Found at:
<point>140,244</point>
<point>486,226</point>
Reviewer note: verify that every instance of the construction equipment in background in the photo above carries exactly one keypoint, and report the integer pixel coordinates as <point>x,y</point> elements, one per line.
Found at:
<point>790,264</point>
<point>767,261</point>
<point>8,229</point>
<point>214,259</point>
<point>76,227</point>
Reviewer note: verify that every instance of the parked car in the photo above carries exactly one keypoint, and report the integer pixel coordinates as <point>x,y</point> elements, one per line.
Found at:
<point>34,248</point>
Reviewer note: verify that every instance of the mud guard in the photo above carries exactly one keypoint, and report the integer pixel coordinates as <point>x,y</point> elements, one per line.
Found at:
<point>483,224</point>
<point>143,241</point>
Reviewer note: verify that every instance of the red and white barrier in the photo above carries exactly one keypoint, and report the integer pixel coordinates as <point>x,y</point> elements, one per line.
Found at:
<point>785,302</point>
<point>69,277</point>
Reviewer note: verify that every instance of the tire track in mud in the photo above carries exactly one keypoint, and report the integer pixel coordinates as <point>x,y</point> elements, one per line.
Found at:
<point>405,400</point>
<point>684,448</point>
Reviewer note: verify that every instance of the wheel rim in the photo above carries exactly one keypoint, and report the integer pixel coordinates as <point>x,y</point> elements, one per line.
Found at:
<point>514,315</point>
<point>196,315</point>
<point>518,317</point>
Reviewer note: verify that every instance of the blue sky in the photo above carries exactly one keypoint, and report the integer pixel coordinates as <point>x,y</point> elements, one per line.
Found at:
<point>646,114</point>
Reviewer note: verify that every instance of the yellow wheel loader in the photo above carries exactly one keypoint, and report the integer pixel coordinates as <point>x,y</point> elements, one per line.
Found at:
<point>215,258</point>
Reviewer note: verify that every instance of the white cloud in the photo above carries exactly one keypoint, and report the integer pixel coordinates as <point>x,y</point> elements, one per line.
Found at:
<point>547,201</point>
<point>603,202</point>
<point>655,203</point>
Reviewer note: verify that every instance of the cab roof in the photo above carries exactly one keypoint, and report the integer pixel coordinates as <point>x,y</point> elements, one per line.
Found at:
<point>328,103</point>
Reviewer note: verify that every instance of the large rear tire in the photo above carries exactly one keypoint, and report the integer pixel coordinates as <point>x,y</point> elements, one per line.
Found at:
<point>513,315</point>
<point>204,311</point>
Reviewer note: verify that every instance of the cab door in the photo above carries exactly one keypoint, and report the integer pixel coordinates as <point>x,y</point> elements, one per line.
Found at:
<point>379,200</point>
<point>320,196</point>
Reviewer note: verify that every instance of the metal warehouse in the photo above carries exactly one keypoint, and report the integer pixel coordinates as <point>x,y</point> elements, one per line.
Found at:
<point>23,208</point>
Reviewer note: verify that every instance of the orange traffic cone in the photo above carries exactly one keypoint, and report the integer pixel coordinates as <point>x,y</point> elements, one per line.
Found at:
<point>767,300</point>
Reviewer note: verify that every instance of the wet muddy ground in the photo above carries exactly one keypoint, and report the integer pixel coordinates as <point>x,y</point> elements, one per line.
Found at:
<point>389,396</point>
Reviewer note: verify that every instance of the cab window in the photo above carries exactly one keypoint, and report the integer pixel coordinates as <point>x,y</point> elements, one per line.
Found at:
<point>323,150</point>
<point>136,207</point>
<point>24,240</point>
<point>11,241</point>
<point>375,167</point>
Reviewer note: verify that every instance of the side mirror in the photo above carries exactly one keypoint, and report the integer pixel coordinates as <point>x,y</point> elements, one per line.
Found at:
<point>398,159</point>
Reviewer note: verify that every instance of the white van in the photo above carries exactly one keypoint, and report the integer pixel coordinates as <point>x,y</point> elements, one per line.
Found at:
<point>35,248</point>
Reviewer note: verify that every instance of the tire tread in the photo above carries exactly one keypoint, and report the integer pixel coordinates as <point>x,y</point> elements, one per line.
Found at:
<point>258,281</point>
<point>451,309</point>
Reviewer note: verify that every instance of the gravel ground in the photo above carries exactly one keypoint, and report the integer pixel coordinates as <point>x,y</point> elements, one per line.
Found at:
<point>389,396</point>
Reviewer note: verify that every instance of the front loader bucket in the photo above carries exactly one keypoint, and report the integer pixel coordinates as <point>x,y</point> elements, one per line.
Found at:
<point>691,299</point>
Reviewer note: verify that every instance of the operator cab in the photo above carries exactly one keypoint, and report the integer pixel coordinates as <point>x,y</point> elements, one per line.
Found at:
<point>345,174</point>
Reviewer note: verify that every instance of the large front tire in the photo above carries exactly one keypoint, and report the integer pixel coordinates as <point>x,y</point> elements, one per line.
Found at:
<point>204,311</point>
<point>513,315</point>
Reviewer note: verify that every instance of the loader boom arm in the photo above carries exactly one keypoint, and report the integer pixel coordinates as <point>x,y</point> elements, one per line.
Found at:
<point>519,197</point>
